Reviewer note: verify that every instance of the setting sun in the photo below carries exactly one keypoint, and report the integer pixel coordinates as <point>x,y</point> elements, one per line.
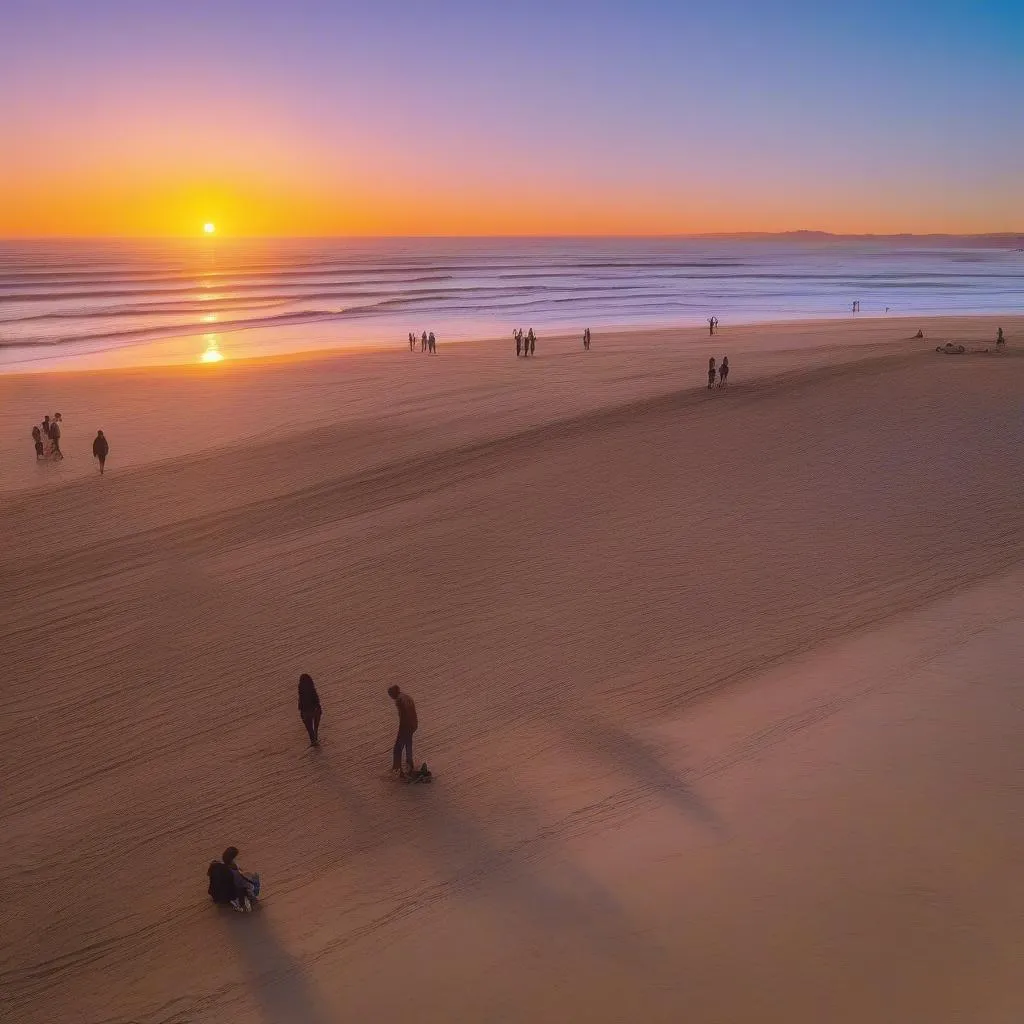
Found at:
<point>209,228</point>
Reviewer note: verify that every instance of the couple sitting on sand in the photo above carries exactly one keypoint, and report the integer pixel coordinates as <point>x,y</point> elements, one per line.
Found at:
<point>229,885</point>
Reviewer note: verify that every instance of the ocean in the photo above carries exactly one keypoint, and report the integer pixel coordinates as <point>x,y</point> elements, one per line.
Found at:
<point>79,303</point>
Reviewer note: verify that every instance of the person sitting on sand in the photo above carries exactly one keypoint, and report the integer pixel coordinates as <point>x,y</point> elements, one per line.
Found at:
<point>309,708</point>
<point>407,725</point>
<point>711,373</point>
<point>37,438</point>
<point>100,450</point>
<point>723,371</point>
<point>247,887</point>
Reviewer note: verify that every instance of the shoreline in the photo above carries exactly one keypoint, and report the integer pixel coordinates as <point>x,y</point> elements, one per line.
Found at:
<point>953,322</point>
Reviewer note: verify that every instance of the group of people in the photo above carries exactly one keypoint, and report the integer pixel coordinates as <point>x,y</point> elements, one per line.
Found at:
<point>712,324</point>
<point>586,339</point>
<point>722,371</point>
<point>428,343</point>
<point>526,345</point>
<point>311,711</point>
<point>229,885</point>
<point>46,438</point>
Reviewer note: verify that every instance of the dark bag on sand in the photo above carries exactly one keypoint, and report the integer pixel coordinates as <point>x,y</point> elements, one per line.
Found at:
<point>222,884</point>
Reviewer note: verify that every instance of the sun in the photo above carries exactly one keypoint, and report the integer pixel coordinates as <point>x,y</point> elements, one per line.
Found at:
<point>209,227</point>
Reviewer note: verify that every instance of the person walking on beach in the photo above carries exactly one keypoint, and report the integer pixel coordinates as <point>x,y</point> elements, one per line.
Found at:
<point>407,724</point>
<point>100,450</point>
<point>309,708</point>
<point>37,440</point>
<point>723,371</point>
<point>55,451</point>
<point>711,373</point>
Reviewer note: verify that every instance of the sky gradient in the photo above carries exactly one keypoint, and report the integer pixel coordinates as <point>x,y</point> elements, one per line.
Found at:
<point>276,118</point>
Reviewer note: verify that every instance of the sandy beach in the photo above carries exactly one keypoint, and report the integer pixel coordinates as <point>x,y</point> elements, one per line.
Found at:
<point>722,691</point>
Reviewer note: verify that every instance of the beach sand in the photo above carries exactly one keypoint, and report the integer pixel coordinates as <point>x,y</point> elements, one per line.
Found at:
<point>721,691</point>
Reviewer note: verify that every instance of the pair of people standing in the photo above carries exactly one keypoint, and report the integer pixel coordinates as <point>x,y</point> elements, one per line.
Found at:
<point>311,711</point>
<point>428,343</point>
<point>525,346</point>
<point>712,324</point>
<point>723,372</point>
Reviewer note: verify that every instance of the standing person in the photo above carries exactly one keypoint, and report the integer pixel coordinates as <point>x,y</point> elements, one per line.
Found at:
<point>423,342</point>
<point>45,428</point>
<point>1000,338</point>
<point>309,708</point>
<point>711,373</point>
<point>100,450</point>
<point>711,325</point>
<point>412,342</point>
<point>518,335</point>
<point>532,339</point>
<point>407,724</point>
<point>723,371</point>
<point>432,342</point>
<point>37,440</point>
<point>55,437</point>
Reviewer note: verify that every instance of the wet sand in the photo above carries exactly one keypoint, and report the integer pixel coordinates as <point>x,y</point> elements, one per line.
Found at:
<point>722,691</point>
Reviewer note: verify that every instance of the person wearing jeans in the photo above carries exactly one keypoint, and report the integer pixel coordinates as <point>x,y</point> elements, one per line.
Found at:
<point>407,723</point>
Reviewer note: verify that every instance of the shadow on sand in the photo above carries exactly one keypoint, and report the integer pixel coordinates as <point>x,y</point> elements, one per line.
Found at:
<point>275,978</point>
<point>629,756</point>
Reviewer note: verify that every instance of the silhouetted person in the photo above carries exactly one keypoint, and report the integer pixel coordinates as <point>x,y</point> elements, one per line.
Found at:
<point>723,371</point>
<point>37,439</point>
<point>412,342</point>
<point>55,451</point>
<point>532,339</point>
<point>432,343</point>
<point>423,342</point>
<point>100,450</point>
<point>1000,339</point>
<point>518,335</point>
<point>46,434</point>
<point>711,373</point>
<point>309,708</point>
<point>407,723</point>
<point>711,325</point>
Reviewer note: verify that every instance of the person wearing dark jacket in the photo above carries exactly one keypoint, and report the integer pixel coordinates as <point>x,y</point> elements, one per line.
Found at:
<point>100,450</point>
<point>309,708</point>
<point>407,723</point>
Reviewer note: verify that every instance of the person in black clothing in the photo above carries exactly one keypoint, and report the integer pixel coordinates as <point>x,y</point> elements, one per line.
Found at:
<point>55,451</point>
<point>309,708</point>
<point>100,450</point>
<point>37,438</point>
<point>723,371</point>
<point>711,373</point>
<point>407,724</point>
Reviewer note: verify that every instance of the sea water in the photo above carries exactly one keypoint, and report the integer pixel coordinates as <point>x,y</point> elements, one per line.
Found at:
<point>70,303</point>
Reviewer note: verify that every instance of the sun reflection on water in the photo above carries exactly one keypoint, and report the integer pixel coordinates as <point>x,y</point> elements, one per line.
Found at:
<point>213,353</point>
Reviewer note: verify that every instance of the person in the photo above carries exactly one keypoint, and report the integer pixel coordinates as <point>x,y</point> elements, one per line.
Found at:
<point>309,708</point>
<point>407,724</point>
<point>723,371</point>
<point>711,373</point>
<point>711,325</point>
<point>45,426</point>
<point>100,450</point>
<point>532,339</point>
<point>1000,338</point>
<point>423,342</point>
<point>412,342</point>
<point>432,343</point>
<point>55,451</point>
<point>247,887</point>
<point>518,335</point>
<point>37,438</point>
